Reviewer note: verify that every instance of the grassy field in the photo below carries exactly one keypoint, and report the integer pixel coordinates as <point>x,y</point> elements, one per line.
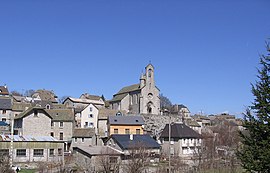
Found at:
<point>28,171</point>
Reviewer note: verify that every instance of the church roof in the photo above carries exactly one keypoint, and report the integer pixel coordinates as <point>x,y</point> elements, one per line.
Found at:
<point>118,97</point>
<point>128,89</point>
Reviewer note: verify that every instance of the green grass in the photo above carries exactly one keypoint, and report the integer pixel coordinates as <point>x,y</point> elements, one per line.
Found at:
<point>27,171</point>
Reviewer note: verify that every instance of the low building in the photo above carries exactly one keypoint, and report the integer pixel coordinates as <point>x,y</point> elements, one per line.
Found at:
<point>184,141</point>
<point>96,158</point>
<point>83,137</point>
<point>128,143</point>
<point>125,125</point>
<point>32,150</point>
<point>5,108</point>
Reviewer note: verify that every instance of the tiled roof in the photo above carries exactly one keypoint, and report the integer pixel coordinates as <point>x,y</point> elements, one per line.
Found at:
<point>104,113</point>
<point>128,89</point>
<point>126,120</point>
<point>193,123</point>
<point>83,133</point>
<point>78,100</point>
<point>20,106</point>
<point>61,114</point>
<point>90,97</point>
<point>179,131</point>
<point>124,141</point>
<point>5,103</point>
<point>96,150</point>
<point>30,110</point>
<point>46,95</point>
<point>28,138</point>
<point>3,90</point>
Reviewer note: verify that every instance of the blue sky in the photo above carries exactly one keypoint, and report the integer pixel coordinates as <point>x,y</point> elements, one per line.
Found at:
<point>205,53</point>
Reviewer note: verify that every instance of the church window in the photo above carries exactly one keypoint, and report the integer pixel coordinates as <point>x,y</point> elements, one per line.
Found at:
<point>149,72</point>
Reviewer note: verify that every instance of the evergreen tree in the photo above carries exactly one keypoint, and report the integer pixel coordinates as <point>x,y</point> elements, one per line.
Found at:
<point>254,152</point>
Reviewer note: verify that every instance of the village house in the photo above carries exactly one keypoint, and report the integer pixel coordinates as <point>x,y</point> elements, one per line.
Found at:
<point>184,141</point>
<point>142,98</point>
<point>129,143</point>
<point>37,121</point>
<point>83,137</point>
<point>5,108</point>
<point>125,125</point>
<point>83,101</point>
<point>32,150</point>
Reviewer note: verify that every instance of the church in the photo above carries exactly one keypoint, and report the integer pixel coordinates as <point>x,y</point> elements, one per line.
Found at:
<point>141,98</point>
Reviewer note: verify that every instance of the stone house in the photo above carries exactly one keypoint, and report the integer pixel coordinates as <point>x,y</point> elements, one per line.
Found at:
<point>125,125</point>
<point>180,110</point>
<point>37,121</point>
<point>95,158</point>
<point>83,137</point>
<point>184,142</point>
<point>5,108</point>
<point>31,150</point>
<point>142,98</point>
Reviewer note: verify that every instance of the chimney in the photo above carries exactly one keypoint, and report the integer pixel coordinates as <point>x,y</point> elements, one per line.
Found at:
<point>131,137</point>
<point>5,85</point>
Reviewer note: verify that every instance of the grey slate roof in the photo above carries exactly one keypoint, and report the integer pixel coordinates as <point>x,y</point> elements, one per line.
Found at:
<point>5,103</point>
<point>179,131</point>
<point>61,114</point>
<point>46,95</point>
<point>118,97</point>
<point>128,89</point>
<point>126,120</point>
<point>145,140</point>
<point>90,97</point>
<point>29,111</point>
<point>3,123</point>
<point>83,133</point>
<point>104,113</point>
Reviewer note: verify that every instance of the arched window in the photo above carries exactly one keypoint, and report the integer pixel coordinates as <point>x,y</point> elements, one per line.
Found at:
<point>149,72</point>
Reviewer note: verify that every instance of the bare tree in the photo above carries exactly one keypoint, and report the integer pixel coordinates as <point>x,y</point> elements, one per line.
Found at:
<point>4,164</point>
<point>138,159</point>
<point>108,163</point>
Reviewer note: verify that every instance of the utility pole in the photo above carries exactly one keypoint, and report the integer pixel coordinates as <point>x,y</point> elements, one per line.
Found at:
<point>12,138</point>
<point>169,143</point>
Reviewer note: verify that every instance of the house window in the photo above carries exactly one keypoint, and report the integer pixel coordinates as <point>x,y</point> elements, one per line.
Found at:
<point>91,124</point>
<point>75,139</point>
<point>4,111</point>
<point>90,116</point>
<point>82,139</point>
<point>4,119</point>
<point>115,131</point>
<point>60,151</point>
<point>4,152</point>
<point>127,131</point>
<point>86,124</point>
<point>21,152</point>
<point>52,135</point>
<point>52,124</point>
<point>61,124</point>
<point>61,136</point>
<point>35,113</point>
<point>138,131</point>
<point>38,152</point>
<point>91,109</point>
<point>113,160</point>
<point>51,152</point>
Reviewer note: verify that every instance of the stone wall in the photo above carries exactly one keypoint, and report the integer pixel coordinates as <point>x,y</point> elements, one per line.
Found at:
<point>156,123</point>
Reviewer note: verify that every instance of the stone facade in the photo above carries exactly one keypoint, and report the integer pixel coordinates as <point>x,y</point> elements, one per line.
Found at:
<point>142,98</point>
